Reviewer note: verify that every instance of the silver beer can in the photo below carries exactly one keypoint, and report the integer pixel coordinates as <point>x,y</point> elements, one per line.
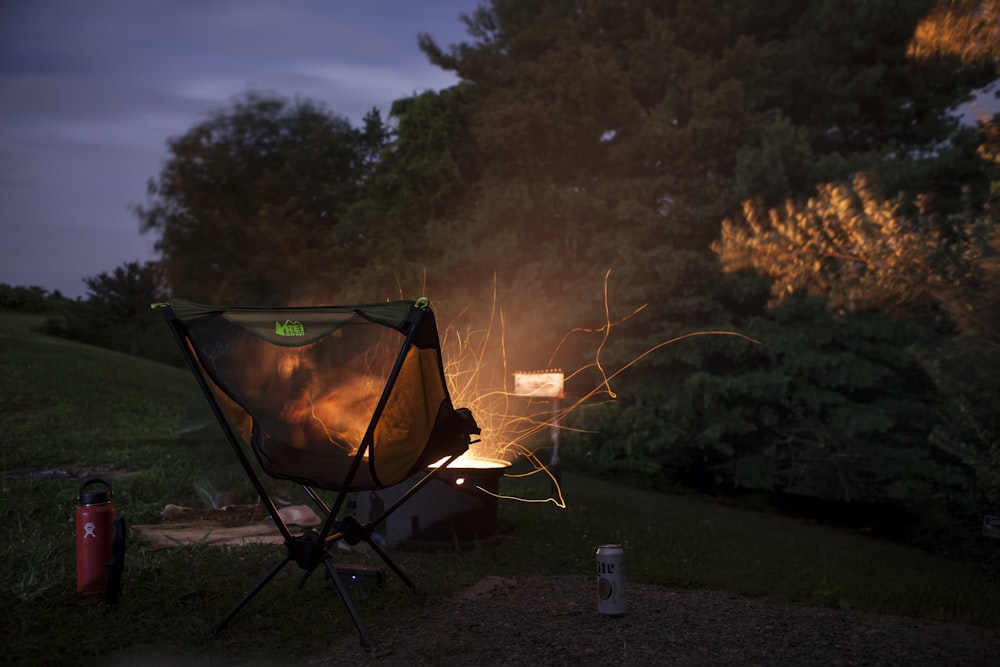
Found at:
<point>611,580</point>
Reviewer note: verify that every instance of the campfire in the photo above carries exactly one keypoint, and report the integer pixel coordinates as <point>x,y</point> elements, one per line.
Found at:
<point>458,508</point>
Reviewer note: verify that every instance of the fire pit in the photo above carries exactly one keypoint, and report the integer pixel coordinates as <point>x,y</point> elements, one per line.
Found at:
<point>457,508</point>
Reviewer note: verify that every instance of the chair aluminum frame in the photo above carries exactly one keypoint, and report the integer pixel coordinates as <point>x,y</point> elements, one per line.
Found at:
<point>312,548</point>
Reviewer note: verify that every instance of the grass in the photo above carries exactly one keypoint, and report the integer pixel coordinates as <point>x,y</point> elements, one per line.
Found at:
<point>69,405</point>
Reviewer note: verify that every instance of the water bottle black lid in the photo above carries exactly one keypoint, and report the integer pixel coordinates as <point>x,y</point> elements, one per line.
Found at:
<point>94,496</point>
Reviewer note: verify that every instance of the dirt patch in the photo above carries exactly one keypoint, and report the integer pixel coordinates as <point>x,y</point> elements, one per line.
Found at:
<point>554,621</point>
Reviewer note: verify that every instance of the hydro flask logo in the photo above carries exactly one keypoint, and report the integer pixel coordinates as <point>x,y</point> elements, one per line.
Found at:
<point>88,530</point>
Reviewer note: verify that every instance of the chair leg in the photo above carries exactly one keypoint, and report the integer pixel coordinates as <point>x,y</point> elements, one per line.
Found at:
<point>388,561</point>
<point>352,531</point>
<point>366,640</point>
<point>222,622</point>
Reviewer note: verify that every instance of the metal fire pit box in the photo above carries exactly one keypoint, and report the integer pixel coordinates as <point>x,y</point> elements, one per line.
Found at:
<point>458,508</point>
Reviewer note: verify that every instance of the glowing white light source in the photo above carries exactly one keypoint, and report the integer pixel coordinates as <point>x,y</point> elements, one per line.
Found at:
<point>467,461</point>
<point>539,384</point>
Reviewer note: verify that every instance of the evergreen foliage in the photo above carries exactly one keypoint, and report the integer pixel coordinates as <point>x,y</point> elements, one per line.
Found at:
<point>829,407</point>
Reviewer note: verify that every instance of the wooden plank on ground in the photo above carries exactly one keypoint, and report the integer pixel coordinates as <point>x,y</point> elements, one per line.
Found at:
<point>233,525</point>
<point>162,536</point>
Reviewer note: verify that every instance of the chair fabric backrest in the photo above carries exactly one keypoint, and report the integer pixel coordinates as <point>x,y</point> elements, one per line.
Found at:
<point>334,397</point>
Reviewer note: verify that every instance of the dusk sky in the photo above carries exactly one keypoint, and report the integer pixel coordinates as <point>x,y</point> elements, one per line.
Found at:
<point>91,91</point>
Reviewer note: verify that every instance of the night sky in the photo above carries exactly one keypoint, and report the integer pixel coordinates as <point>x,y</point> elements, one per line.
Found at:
<point>91,91</point>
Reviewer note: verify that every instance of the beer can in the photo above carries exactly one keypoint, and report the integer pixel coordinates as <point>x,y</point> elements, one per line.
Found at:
<point>611,580</point>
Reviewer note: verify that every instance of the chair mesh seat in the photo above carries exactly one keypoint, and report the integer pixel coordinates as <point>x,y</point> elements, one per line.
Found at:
<point>310,381</point>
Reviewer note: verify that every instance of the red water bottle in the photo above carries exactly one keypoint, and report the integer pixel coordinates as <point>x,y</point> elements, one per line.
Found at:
<point>94,539</point>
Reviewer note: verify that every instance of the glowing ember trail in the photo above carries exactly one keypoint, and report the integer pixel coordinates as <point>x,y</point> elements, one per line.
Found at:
<point>477,372</point>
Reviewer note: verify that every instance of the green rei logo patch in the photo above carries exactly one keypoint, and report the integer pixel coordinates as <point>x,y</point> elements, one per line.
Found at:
<point>289,328</point>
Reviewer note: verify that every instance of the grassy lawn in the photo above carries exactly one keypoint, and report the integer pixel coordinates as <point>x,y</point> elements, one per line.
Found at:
<point>66,405</point>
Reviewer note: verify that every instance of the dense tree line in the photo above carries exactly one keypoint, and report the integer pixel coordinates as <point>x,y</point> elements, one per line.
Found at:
<point>29,299</point>
<point>791,170</point>
<point>116,313</point>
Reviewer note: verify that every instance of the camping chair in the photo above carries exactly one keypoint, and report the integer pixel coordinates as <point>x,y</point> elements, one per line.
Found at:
<point>339,398</point>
